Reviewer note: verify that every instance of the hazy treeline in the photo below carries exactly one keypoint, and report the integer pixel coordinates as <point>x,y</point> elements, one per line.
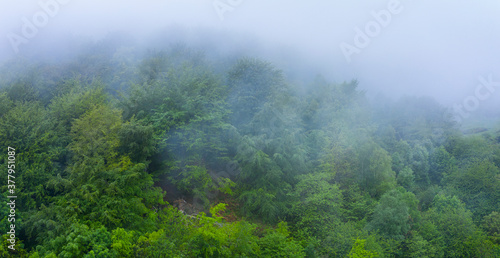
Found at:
<point>110,140</point>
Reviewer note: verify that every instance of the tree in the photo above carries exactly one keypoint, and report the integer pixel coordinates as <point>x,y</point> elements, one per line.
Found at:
<point>471,148</point>
<point>74,100</point>
<point>215,238</point>
<point>358,250</point>
<point>195,181</point>
<point>263,190</point>
<point>416,246</point>
<point>340,241</point>
<point>32,132</point>
<point>491,225</point>
<point>454,222</point>
<point>477,185</point>
<point>357,205</point>
<point>94,141</point>
<point>23,91</point>
<point>5,104</point>
<point>137,140</point>
<point>395,214</point>
<point>251,83</point>
<point>376,175</point>
<point>316,209</point>
<point>279,244</point>
<point>442,165</point>
<point>406,178</point>
<point>419,163</point>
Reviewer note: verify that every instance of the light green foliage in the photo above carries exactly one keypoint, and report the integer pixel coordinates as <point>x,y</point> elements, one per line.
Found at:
<point>122,242</point>
<point>216,238</point>
<point>156,244</point>
<point>225,185</point>
<point>278,244</point>
<point>120,196</point>
<point>358,250</point>
<point>78,241</point>
<point>5,251</point>
<point>95,135</point>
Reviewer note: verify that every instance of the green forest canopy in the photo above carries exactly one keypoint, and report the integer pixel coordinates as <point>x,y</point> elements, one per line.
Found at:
<point>175,154</point>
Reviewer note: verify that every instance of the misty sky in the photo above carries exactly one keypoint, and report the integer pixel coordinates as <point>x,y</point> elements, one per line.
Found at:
<point>436,48</point>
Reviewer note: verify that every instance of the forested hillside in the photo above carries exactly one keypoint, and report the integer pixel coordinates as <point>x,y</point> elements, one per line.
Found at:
<point>122,152</point>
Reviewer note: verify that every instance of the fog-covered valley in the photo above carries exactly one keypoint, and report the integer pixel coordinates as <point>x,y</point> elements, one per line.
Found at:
<point>249,129</point>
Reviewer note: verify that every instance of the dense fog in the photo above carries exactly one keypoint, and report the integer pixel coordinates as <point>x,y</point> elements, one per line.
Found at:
<point>439,49</point>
